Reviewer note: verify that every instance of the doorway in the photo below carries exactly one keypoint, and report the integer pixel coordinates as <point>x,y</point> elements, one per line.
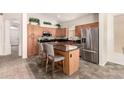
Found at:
<point>13,34</point>
<point>115,38</point>
<point>14,39</point>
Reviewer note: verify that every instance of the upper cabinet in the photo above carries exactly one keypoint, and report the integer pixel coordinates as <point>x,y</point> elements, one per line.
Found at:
<point>77,30</point>
<point>79,27</point>
<point>61,32</point>
<point>50,30</point>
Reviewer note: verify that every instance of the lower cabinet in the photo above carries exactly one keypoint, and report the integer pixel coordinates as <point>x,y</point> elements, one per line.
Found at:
<point>73,61</point>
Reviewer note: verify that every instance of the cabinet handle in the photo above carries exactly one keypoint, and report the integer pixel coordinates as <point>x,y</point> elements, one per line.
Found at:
<point>70,55</point>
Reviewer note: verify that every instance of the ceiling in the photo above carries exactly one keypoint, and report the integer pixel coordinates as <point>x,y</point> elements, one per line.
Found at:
<point>63,17</point>
<point>58,17</point>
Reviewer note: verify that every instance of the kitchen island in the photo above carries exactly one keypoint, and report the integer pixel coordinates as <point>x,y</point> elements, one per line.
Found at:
<point>71,54</point>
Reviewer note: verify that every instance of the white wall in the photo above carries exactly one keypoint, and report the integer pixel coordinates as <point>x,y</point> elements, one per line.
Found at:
<point>113,56</point>
<point>12,16</point>
<point>1,34</point>
<point>20,37</point>
<point>103,52</point>
<point>4,37</point>
<point>90,18</point>
<point>106,40</point>
<point>119,33</point>
<point>7,45</point>
<point>24,35</point>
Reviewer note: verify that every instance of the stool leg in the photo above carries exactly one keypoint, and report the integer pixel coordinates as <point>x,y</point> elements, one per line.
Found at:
<point>63,65</point>
<point>47,64</point>
<point>53,69</point>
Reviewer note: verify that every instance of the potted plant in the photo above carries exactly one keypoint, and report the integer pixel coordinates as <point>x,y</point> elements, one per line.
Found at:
<point>47,23</point>
<point>58,25</point>
<point>34,21</point>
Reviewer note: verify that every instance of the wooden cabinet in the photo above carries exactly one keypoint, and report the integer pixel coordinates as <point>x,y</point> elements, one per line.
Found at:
<point>30,40</point>
<point>33,32</point>
<point>79,27</point>
<point>50,30</point>
<point>77,30</point>
<point>57,34</point>
<point>71,62</point>
<point>61,32</point>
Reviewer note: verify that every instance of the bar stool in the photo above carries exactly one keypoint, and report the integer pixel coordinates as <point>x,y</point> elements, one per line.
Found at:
<point>52,57</point>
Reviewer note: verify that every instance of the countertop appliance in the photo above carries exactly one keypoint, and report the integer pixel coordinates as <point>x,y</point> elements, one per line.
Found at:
<point>46,36</point>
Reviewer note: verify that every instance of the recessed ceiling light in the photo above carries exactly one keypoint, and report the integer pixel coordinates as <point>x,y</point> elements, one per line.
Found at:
<point>13,27</point>
<point>58,16</point>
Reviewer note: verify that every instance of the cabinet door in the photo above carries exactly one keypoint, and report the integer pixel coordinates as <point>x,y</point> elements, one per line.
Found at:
<point>73,61</point>
<point>34,32</point>
<point>30,39</point>
<point>63,31</point>
<point>37,33</point>
<point>35,43</point>
<point>58,32</point>
<point>77,30</point>
<point>54,31</point>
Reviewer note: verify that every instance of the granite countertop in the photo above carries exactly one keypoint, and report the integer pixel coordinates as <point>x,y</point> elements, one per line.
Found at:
<point>64,47</point>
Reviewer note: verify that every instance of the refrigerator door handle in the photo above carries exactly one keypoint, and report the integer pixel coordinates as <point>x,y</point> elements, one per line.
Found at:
<point>92,51</point>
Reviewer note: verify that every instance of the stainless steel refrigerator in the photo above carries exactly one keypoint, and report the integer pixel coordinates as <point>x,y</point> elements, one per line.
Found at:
<point>90,45</point>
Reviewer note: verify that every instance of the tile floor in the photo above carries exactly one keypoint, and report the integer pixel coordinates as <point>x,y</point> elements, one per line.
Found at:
<point>86,71</point>
<point>12,67</point>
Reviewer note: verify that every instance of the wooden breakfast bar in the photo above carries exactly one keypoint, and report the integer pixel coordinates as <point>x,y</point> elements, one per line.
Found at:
<point>71,54</point>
